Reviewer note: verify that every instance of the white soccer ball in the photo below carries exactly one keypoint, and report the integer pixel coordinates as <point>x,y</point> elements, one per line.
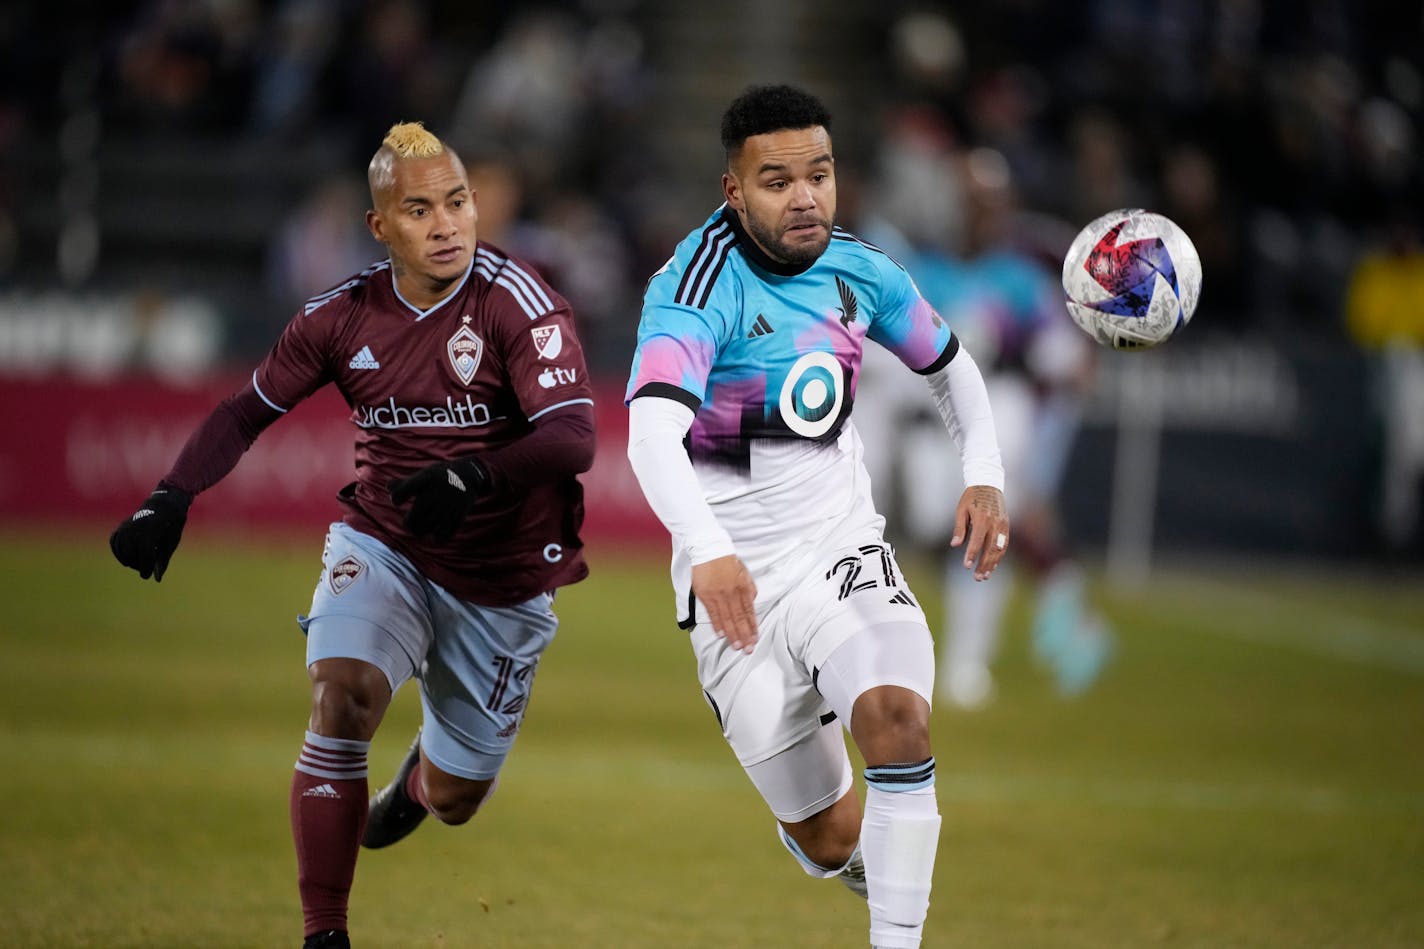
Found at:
<point>1132,279</point>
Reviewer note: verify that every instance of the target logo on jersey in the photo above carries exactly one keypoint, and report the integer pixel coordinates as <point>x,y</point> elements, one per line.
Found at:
<point>1132,279</point>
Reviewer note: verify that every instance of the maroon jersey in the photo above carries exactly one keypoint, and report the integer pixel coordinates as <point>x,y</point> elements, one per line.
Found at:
<point>467,376</point>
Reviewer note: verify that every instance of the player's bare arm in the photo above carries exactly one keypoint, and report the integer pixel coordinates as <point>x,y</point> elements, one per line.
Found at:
<point>727,591</point>
<point>983,516</point>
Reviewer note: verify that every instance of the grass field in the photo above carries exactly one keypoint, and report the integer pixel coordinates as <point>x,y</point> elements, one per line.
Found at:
<point>1249,773</point>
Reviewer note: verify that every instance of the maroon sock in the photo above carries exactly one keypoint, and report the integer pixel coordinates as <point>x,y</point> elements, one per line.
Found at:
<point>328,808</point>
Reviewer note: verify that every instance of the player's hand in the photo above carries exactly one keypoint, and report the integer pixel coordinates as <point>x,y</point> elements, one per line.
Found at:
<point>146,540</point>
<point>726,589</point>
<point>983,517</point>
<point>443,494</point>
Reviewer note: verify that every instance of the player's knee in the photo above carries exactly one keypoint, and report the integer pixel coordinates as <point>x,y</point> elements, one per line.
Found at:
<point>349,699</point>
<point>832,850</point>
<point>891,724</point>
<point>828,845</point>
<point>455,802</point>
<point>829,837</point>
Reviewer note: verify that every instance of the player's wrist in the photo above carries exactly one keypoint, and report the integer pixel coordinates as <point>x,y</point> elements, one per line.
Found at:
<point>475,473</point>
<point>984,473</point>
<point>170,497</point>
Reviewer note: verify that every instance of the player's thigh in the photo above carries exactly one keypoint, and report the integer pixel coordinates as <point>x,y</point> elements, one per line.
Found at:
<point>857,585</point>
<point>765,702</point>
<point>478,679</point>
<point>805,779</point>
<point>899,654</point>
<point>369,604</point>
<point>866,630</point>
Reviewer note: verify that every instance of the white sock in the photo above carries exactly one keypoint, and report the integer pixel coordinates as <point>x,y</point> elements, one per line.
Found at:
<point>898,838</point>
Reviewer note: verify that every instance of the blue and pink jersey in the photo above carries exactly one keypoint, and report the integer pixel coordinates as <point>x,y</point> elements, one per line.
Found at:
<point>768,357</point>
<point>761,351</point>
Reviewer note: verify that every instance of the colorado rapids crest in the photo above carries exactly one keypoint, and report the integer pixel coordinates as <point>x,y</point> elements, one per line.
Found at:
<point>465,349</point>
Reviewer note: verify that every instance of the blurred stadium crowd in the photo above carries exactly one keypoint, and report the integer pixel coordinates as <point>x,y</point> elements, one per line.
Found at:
<point>176,176</point>
<point>1283,136</point>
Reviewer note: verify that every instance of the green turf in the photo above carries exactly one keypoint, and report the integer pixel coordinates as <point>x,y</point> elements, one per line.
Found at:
<point>1250,773</point>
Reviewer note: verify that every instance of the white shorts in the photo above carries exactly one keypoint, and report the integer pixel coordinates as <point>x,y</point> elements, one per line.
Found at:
<point>768,703</point>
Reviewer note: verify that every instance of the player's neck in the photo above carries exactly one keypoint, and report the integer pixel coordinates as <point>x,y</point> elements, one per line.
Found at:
<point>423,293</point>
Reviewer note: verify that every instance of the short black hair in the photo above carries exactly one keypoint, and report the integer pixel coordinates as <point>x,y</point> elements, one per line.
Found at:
<point>763,109</point>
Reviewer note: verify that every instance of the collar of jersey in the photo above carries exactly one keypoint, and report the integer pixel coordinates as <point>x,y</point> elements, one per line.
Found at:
<point>755,254</point>
<point>422,314</point>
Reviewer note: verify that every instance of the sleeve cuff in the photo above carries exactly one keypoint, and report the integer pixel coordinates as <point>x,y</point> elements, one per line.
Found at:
<point>987,474</point>
<point>709,546</point>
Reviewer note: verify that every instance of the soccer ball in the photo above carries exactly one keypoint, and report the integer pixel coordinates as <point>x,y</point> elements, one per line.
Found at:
<point>1132,279</point>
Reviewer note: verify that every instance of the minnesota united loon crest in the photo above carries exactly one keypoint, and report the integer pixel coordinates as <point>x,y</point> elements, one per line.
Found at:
<point>849,305</point>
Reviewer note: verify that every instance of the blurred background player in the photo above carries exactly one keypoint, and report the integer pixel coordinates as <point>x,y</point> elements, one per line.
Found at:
<point>740,436</point>
<point>1384,314</point>
<point>473,417</point>
<point>950,215</point>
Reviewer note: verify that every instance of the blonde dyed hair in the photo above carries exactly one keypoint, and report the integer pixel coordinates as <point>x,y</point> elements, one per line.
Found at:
<point>404,140</point>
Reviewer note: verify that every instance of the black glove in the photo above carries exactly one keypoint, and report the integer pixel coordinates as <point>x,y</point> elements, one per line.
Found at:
<point>443,493</point>
<point>147,540</point>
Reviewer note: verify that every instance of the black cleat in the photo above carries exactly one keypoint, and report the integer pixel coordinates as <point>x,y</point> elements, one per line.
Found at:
<point>393,815</point>
<point>328,939</point>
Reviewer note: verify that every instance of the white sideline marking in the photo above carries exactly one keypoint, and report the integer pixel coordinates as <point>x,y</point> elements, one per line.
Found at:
<point>1319,630</point>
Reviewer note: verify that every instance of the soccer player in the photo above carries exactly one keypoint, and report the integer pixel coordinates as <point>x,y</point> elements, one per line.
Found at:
<point>473,417</point>
<point>740,436</point>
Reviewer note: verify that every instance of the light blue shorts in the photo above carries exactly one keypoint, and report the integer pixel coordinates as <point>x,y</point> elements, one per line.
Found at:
<point>475,664</point>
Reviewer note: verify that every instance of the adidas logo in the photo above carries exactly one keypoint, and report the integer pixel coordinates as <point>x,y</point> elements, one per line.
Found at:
<point>760,328</point>
<point>902,598</point>
<point>364,360</point>
<point>321,790</point>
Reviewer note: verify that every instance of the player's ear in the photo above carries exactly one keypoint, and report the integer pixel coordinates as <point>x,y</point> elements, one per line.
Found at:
<point>376,226</point>
<point>732,191</point>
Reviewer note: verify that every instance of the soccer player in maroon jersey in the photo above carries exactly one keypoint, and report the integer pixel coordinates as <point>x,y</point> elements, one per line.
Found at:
<point>473,417</point>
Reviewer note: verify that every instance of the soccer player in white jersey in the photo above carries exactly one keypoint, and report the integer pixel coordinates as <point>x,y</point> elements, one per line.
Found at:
<point>740,435</point>
<point>473,415</point>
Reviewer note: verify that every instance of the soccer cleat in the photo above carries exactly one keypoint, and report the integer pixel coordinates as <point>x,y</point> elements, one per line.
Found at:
<point>1058,614</point>
<point>1080,663</point>
<point>329,939</point>
<point>393,815</point>
<point>853,875</point>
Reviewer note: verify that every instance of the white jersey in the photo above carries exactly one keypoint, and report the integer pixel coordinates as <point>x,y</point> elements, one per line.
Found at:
<point>767,357</point>
<point>796,499</point>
